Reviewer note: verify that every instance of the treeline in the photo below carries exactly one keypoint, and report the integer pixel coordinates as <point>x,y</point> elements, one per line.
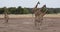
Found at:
<point>53,10</point>
<point>49,10</point>
<point>14,10</point>
<point>20,10</point>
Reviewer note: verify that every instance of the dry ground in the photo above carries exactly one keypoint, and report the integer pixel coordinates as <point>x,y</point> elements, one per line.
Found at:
<point>50,24</point>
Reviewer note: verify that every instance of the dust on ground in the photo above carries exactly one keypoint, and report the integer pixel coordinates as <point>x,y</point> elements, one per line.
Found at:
<point>50,24</point>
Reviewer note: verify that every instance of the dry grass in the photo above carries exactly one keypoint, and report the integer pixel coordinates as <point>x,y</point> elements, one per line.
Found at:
<point>28,15</point>
<point>27,25</point>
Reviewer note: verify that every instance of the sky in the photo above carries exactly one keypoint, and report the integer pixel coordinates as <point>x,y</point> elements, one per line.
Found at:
<point>30,3</point>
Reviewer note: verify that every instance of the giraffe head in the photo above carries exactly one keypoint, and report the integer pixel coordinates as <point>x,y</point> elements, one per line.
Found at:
<point>44,5</point>
<point>43,9</point>
<point>38,2</point>
<point>35,8</point>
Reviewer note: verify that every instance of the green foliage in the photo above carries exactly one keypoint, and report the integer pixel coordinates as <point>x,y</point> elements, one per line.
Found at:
<point>1,11</point>
<point>20,10</point>
<point>5,10</point>
<point>12,10</point>
<point>26,11</point>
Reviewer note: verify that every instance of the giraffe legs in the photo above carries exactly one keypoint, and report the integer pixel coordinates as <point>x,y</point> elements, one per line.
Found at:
<point>6,21</point>
<point>38,23</point>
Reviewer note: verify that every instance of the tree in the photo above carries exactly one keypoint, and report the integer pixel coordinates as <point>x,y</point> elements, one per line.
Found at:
<point>12,10</point>
<point>1,10</point>
<point>19,10</point>
<point>26,11</point>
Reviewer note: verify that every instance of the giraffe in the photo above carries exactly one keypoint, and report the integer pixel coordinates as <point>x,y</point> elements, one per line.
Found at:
<point>35,8</point>
<point>34,11</point>
<point>39,15</point>
<point>6,15</point>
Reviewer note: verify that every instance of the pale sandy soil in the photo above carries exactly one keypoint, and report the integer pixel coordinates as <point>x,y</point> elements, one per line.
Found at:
<point>27,25</point>
<point>20,23</point>
<point>29,16</point>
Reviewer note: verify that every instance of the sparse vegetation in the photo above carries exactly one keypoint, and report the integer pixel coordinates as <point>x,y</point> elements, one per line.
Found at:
<point>20,10</point>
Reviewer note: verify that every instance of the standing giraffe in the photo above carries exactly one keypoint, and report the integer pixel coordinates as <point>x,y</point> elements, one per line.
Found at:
<point>35,8</point>
<point>39,15</point>
<point>35,12</point>
<point>6,15</point>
